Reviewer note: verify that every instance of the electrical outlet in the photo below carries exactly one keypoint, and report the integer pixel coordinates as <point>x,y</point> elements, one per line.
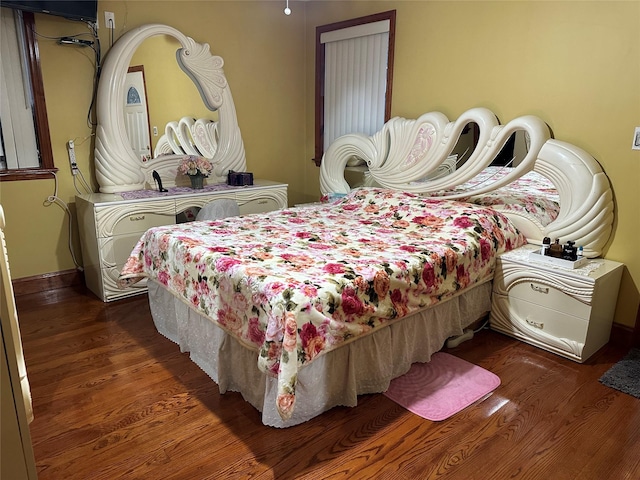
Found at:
<point>110,20</point>
<point>636,140</point>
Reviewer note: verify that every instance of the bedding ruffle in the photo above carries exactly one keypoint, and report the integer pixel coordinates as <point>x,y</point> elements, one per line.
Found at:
<point>337,378</point>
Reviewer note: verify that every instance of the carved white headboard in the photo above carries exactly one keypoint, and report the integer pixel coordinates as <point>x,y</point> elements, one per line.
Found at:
<point>117,167</point>
<point>406,151</point>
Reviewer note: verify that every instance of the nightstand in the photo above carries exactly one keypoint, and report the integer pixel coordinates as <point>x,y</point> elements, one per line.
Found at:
<point>568,312</point>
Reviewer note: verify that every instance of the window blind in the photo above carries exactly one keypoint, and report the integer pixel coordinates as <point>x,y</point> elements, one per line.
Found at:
<point>355,79</point>
<point>19,144</point>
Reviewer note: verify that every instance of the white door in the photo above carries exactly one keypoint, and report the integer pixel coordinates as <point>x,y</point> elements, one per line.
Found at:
<point>136,113</point>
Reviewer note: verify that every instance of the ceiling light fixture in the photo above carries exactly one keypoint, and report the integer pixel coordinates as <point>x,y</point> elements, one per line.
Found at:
<point>287,10</point>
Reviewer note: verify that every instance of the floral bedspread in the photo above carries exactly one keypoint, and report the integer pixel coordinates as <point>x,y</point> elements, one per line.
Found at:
<point>532,194</point>
<point>297,283</point>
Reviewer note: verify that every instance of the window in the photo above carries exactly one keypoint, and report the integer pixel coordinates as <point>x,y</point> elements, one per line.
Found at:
<point>354,73</point>
<point>26,145</point>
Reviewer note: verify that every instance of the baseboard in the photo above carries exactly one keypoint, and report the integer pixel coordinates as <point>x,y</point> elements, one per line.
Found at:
<point>621,335</point>
<point>47,281</point>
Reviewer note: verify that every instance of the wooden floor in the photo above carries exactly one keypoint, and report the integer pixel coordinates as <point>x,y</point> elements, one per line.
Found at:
<point>114,399</point>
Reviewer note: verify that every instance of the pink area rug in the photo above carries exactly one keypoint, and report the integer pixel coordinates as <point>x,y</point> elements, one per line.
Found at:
<point>444,386</point>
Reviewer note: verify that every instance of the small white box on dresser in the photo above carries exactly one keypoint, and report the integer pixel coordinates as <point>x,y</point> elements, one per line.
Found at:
<point>563,310</point>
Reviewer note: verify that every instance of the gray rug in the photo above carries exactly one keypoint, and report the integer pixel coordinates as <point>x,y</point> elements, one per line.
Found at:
<point>625,375</point>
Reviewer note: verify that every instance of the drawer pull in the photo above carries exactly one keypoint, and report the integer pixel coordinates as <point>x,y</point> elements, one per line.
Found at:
<point>539,289</point>
<point>137,219</point>
<point>535,324</point>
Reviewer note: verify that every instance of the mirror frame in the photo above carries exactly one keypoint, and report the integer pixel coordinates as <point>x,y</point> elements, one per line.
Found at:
<point>117,167</point>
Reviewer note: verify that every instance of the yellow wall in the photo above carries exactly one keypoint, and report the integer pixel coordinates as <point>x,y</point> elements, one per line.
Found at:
<point>574,64</point>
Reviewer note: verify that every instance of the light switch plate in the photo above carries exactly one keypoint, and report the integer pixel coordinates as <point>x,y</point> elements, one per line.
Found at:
<point>636,140</point>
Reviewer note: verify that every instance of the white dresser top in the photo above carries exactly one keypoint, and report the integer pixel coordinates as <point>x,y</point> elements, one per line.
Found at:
<point>150,195</point>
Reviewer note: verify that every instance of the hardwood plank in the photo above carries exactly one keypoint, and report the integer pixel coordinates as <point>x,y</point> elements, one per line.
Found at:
<point>115,399</point>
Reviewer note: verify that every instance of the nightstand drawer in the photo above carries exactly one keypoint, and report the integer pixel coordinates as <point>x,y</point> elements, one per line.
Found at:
<point>554,323</point>
<point>546,295</point>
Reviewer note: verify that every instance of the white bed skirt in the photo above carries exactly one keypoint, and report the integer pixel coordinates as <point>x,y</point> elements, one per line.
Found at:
<point>364,366</point>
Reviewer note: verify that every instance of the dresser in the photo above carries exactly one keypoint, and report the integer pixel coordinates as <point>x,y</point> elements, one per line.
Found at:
<point>111,224</point>
<point>562,310</point>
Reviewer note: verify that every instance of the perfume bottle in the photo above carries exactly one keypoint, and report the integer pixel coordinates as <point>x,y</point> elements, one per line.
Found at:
<point>546,243</point>
<point>569,251</point>
<point>555,250</point>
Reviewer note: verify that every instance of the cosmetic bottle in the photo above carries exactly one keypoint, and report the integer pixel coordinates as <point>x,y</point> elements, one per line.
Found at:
<point>555,250</point>
<point>546,242</point>
<point>569,251</point>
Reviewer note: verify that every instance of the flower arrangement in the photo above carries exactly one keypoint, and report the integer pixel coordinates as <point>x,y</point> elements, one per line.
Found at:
<point>195,165</point>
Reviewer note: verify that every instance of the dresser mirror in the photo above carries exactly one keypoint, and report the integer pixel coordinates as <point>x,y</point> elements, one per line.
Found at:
<point>119,167</point>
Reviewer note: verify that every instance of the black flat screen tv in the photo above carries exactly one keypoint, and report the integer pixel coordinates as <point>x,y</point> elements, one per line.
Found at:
<point>83,10</point>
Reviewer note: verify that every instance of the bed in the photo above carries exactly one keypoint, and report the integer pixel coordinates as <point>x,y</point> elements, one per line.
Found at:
<point>306,308</point>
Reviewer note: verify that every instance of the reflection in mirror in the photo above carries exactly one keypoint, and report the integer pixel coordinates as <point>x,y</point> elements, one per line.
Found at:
<point>175,105</point>
<point>514,150</point>
<point>510,156</point>
<point>136,113</point>
<point>466,143</point>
